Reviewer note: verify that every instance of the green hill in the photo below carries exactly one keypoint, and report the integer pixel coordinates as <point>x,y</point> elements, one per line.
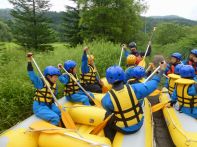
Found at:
<point>150,22</point>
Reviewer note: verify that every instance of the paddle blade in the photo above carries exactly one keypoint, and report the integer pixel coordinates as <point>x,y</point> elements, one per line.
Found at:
<point>155,93</point>
<point>97,103</point>
<point>101,126</point>
<point>67,120</point>
<point>158,107</point>
<point>104,89</point>
<point>142,63</point>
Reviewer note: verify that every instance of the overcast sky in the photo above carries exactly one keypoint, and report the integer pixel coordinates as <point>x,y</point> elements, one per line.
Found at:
<point>184,8</point>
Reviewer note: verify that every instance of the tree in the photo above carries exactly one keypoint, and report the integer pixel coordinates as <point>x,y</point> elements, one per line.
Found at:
<point>71,25</point>
<point>5,34</point>
<point>115,20</point>
<point>31,27</point>
<point>169,33</point>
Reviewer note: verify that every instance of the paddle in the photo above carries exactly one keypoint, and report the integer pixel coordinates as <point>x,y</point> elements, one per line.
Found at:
<point>159,106</point>
<point>102,125</point>
<point>66,118</point>
<point>45,127</point>
<point>97,103</point>
<point>156,92</point>
<point>121,55</point>
<point>143,62</point>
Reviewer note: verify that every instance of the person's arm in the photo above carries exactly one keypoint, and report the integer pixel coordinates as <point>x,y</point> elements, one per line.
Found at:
<point>144,89</point>
<point>84,66</point>
<point>64,78</point>
<point>107,104</point>
<point>38,83</point>
<point>126,53</point>
<point>192,90</point>
<point>148,52</point>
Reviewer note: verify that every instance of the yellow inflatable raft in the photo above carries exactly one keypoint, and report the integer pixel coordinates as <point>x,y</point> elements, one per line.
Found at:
<point>86,117</point>
<point>182,128</point>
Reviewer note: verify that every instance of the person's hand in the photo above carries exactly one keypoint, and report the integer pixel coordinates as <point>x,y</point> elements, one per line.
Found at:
<point>124,46</point>
<point>29,56</point>
<point>151,65</point>
<point>59,66</point>
<point>85,49</point>
<point>163,65</point>
<point>101,83</point>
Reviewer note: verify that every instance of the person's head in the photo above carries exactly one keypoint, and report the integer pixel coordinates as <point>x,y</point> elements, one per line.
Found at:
<point>177,69</point>
<point>193,54</point>
<point>115,74</point>
<point>187,71</point>
<point>52,73</point>
<point>131,60</point>
<point>133,46</point>
<point>175,58</point>
<point>70,66</point>
<point>138,72</point>
<point>90,59</point>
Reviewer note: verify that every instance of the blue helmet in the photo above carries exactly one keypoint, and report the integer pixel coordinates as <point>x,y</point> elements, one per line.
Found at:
<point>70,64</point>
<point>177,69</point>
<point>177,56</point>
<point>138,72</point>
<point>187,71</point>
<point>115,74</point>
<point>194,51</point>
<point>51,70</point>
<point>129,74</point>
<point>132,45</point>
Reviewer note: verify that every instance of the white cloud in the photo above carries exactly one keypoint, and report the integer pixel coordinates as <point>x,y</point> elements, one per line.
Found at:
<point>184,8</point>
<point>59,5</point>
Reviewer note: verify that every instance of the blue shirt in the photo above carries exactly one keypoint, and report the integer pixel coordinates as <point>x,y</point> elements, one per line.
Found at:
<point>141,90</point>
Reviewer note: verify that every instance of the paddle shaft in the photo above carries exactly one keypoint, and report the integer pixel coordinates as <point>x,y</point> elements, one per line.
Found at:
<point>148,68</point>
<point>73,78</point>
<point>149,43</point>
<point>120,56</point>
<point>152,74</point>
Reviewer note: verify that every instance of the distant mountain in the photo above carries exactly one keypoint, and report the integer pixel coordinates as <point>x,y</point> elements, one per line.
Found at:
<point>5,14</point>
<point>154,20</point>
<point>149,22</point>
